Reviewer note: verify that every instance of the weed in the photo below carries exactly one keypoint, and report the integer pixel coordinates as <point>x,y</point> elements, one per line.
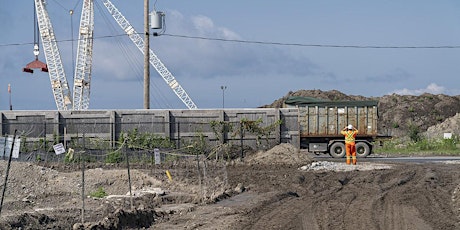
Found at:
<point>99,193</point>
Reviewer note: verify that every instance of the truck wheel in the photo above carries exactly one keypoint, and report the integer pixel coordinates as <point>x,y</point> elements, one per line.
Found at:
<point>362,149</point>
<point>337,150</point>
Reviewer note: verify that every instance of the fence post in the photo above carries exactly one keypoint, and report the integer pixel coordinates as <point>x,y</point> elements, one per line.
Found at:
<point>7,171</point>
<point>199,176</point>
<point>129,178</point>
<point>278,129</point>
<point>113,129</point>
<point>178,135</point>
<point>1,123</point>
<point>224,128</point>
<point>44,135</point>
<point>82,160</point>
<point>241,140</point>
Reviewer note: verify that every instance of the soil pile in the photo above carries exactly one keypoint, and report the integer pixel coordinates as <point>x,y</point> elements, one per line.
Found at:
<point>450,125</point>
<point>281,154</point>
<point>398,114</point>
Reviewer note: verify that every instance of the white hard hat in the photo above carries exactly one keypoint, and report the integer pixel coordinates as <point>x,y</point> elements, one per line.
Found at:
<point>350,126</point>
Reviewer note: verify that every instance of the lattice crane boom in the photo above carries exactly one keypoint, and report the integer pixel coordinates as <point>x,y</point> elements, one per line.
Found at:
<point>82,78</point>
<point>83,65</point>
<point>154,60</point>
<point>59,85</point>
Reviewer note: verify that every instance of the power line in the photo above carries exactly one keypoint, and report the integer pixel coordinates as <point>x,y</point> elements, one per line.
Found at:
<point>61,41</point>
<point>315,45</point>
<point>268,43</point>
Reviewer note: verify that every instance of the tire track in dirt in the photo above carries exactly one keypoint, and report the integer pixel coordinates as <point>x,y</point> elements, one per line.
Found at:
<point>410,202</point>
<point>407,197</point>
<point>271,196</point>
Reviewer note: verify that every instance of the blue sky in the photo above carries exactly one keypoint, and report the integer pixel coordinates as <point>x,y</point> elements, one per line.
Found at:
<point>255,74</point>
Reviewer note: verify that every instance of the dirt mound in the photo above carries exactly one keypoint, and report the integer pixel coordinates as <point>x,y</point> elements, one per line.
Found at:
<point>281,154</point>
<point>450,125</point>
<point>29,182</point>
<point>398,114</point>
<point>332,95</point>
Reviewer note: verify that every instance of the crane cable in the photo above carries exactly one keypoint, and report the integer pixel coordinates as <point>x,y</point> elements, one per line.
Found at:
<point>130,55</point>
<point>123,48</point>
<point>36,34</point>
<point>71,12</point>
<point>35,26</point>
<point>72,38</point>
<point>73,50</point>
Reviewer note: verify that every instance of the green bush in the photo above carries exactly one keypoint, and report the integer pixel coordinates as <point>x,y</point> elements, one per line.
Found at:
<point>414,133</point>
<point>99,193</point>
<point>136,140</point>
<point>114,157</point>
<point>422,146</point>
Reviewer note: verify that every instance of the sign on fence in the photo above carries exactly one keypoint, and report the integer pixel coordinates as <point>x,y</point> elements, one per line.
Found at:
<point>157,155</point>
<point>6,143</point>
<point>59,148</point>
<point>2,146</point>
<point>17,146</point>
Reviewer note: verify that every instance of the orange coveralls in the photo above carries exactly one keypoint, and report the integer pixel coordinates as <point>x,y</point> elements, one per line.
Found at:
<point>350,146</point>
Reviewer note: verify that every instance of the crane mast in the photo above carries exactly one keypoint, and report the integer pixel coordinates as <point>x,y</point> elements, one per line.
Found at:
<point>82,78</point>
<point>83,65</point>
<point>154,60</point>
<point>59,85</point>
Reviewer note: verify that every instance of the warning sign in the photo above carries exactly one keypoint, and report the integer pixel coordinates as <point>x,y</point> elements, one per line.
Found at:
<point>59,148</point>
<point>157,155</point>
<point>7,148</point>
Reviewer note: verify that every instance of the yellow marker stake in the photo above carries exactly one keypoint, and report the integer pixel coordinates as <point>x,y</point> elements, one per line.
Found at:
<point>169,175</point>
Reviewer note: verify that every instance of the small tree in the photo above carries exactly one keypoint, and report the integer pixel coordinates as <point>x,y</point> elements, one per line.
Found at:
<point>414,133</point>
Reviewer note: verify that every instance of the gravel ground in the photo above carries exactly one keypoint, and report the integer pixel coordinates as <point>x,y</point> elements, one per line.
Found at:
<point>281,188</point>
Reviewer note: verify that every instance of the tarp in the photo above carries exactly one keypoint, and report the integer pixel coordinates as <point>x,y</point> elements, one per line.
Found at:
<point>311,101</point>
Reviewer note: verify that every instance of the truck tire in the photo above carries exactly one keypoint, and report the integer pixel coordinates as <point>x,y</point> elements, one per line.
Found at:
<point>362,149</point>
<point>337,150</point>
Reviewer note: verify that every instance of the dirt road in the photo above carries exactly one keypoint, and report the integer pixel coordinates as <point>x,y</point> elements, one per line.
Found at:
<point>264,194</point>
<point>404,197</point>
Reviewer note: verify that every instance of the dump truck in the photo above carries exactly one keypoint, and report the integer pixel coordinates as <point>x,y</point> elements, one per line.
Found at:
<point>320,122</point>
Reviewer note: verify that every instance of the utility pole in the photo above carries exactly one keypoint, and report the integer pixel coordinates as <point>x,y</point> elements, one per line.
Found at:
<point>9,92</point>
<point>146,56</point>
<point>223,88</point>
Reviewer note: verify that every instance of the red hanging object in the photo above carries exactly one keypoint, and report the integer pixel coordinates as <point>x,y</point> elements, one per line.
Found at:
<point>36,64</point>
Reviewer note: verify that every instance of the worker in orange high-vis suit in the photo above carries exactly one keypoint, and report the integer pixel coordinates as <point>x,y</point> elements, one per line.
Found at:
<point>350,135</point>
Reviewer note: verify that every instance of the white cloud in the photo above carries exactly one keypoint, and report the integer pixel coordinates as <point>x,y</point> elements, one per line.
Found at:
<point>432,88</point>
<point>207,58</point>
<point>203,24</point>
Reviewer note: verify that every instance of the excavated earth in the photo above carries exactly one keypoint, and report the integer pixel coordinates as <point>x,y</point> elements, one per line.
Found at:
<point>399,115</point>
<point>281,188</point>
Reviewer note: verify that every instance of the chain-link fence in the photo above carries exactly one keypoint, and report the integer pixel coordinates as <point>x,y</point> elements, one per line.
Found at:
<point>188,148</point>
<point>203,174</point>
<point>111,143</point>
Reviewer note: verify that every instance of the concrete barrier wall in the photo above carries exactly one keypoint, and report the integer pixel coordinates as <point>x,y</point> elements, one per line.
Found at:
<point>178,125</point>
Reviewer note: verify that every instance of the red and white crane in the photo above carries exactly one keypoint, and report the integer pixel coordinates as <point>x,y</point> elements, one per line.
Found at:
<point>82,79</point>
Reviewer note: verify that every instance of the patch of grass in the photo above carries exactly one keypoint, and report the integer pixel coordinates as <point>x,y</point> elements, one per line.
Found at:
<point>422,146</point>
<point>114,157</point>
<point>99,193</point>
